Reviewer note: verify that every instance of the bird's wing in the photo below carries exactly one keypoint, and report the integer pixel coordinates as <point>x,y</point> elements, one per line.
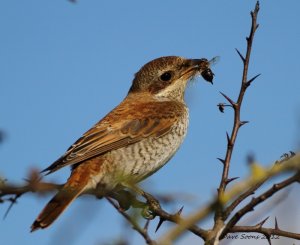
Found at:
<point>123,126</point>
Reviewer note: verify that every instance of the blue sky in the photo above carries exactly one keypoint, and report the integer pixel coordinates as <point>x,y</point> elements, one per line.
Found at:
<point>64,66</point>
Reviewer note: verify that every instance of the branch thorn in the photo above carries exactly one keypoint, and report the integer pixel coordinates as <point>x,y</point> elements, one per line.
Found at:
<point>179,211</point>
<point>13,201</point>
<point>228,139</point>
<point>243,123</point>
<point>161,220</point>
<point>276,224</point>
<point>251,80</point>
<point>262,222</point>
<point>231,179</point>
<point>241,56</point>
<point>221,160</point>
<point>228,99</point>
<point>268,238</point>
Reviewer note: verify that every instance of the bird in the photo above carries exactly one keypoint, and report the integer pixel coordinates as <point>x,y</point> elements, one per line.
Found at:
<point>134,140</point>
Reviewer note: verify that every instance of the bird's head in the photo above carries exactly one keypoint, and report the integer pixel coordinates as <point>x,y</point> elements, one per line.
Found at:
<point>167,77</point>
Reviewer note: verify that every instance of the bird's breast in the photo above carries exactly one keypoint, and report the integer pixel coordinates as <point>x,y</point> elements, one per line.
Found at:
<point>141,159</point>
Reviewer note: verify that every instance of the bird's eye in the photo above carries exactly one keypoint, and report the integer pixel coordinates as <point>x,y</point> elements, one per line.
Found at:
<point>166,76</point>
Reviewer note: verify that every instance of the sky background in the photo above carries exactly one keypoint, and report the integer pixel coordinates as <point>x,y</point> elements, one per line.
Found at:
<point>63,66</point>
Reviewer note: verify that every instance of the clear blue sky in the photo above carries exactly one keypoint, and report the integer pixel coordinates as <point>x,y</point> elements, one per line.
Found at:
<point>63,66</point>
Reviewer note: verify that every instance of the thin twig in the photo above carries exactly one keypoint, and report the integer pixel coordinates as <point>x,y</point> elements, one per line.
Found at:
<point>40,187</point>
<point>242,197</point>
<point>135,225</point>
<point>252,190</point>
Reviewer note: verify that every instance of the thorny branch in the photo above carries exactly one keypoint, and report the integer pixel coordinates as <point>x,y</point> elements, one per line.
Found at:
<point>237,105</point>
<point>259,199</point>
<point>175,218</point>
<point>291,164</point>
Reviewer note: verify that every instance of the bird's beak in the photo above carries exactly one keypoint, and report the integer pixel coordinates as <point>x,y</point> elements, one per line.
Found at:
<point>202,66</point>
<point>198,62</point>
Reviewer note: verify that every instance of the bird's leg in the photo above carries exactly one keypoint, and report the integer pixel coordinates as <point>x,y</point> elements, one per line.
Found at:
<point>146,212</point>
<point>126,199</point>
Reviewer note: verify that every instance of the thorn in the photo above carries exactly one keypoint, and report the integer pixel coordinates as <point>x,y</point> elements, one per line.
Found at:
<point>256,26</point>
<point>221,160</point>
<point>161,220</point>
<point>12,200</point>
<point>268,238</point>
<point>262,222</point>
<point>243,123</point>
<point>228,99</point>
<point>231,179</point>
<point>228,138</point>
<point>179,211</point>
<point>241,56</point>
<point>276,224</point>
<point>292,153</point>
<point>251,80</point>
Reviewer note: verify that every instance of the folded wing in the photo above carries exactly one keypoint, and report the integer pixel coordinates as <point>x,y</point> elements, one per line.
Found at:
<point>123,126</point>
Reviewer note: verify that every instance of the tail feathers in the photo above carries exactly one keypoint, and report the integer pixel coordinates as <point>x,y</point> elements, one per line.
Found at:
<point>55,207</point>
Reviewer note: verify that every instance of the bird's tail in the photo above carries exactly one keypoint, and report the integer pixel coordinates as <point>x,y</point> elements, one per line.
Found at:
<point>56,206</point>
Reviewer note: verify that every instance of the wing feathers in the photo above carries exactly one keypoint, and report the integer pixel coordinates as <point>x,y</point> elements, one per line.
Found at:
<point>121,127</point>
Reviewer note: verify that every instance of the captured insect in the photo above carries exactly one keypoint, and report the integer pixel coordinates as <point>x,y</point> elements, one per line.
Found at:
<point>207,73</point>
